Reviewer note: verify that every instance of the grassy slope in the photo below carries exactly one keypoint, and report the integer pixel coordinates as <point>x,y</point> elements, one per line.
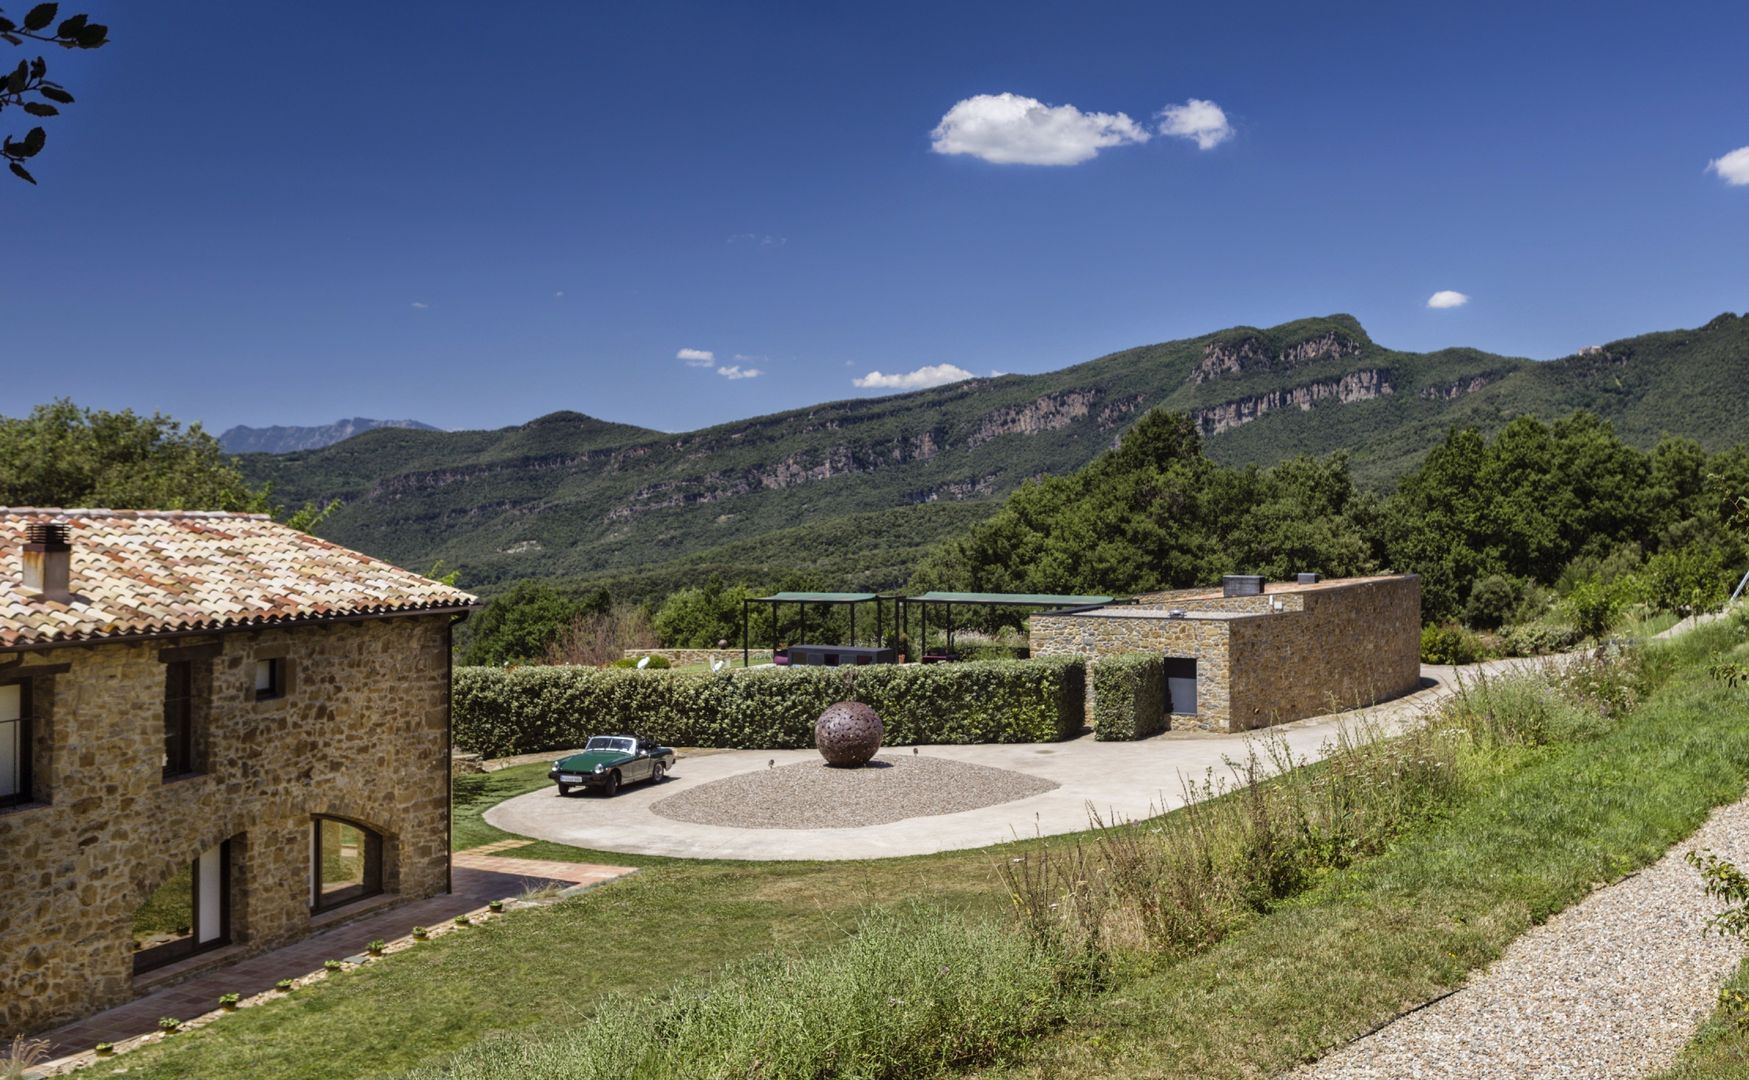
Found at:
<point>1394,931</point>
<point>1362,945</point>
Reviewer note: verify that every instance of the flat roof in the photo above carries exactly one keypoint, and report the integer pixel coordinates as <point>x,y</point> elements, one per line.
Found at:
<point>1271,588</point>
<point>816,598</point>
<point>1039,599</point>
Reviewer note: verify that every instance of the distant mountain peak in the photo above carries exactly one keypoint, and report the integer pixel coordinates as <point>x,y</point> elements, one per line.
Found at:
<point>283,439</point>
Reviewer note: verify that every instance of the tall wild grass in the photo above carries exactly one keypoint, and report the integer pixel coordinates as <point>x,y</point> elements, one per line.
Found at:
<point>1173,884</point>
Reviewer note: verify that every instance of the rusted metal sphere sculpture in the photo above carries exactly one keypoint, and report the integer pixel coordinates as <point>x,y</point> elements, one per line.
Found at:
<point>848,734</point>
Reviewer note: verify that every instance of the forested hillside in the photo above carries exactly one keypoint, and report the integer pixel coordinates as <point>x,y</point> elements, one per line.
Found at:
<point>853,492</point>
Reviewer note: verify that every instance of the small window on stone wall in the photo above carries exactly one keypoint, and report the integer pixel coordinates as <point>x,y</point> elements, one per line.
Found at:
<point>269,679</point>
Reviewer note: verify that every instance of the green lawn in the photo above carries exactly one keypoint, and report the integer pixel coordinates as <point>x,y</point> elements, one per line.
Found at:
<point>1362,944</point>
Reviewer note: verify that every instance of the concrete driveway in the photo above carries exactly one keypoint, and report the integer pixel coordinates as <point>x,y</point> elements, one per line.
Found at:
<point>1114,779</point>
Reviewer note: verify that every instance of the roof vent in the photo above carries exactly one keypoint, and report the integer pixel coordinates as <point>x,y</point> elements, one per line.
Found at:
<point>48,558</point>
<point>1242,585</point>
<point>1309,579</point>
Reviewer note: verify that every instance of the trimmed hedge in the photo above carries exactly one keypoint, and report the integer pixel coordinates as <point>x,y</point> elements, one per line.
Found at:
<point>498,711</point>
<point>1129,696</point>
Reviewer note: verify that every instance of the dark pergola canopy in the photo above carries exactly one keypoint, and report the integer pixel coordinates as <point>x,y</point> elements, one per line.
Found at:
<point>949,600</point>
<point>802,600</point>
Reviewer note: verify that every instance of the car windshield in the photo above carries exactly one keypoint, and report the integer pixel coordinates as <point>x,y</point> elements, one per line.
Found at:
<point>611,742</point>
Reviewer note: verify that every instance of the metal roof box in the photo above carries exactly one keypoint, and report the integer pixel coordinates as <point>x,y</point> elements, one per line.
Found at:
<point>1242,585</point>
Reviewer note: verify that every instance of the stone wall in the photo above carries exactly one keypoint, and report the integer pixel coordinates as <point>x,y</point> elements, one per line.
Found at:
<point>1352,645</point>
<point>1335,646</point>
<point>361,734</point>
<point>1115,630</point>
<point>679,657</point>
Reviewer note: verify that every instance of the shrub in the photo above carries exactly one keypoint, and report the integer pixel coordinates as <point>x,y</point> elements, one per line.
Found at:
<point>1129,696</point>
<point>1493,600</point>
<point>332,965</point>
<point>375,947</point>
<point>1540,639</point>
<point>500,712</point>
<point>1451,644</point>
<point>908,994</point>
<point>1595,605</point>
<point>229,1001</point>
<point>169,1025</point>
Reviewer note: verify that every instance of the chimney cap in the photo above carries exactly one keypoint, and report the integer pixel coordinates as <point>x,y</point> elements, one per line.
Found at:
<point>49,534</point>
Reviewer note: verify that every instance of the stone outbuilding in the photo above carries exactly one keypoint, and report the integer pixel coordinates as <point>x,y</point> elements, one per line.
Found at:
<point>217,734</point>
<point>1250,655</point>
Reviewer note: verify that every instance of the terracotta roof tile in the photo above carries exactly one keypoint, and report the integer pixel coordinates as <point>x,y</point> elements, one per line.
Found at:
<point>140,572</point>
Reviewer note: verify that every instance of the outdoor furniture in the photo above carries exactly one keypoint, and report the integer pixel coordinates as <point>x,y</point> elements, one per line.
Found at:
<point>835,655</point>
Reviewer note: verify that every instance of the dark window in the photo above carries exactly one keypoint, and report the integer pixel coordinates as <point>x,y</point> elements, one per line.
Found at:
<point>178,718</point>
<point>346,863</point>
<point>17,743</point>
<point>1181,685</point>
<point>269,679</point>
<point>189,913</point>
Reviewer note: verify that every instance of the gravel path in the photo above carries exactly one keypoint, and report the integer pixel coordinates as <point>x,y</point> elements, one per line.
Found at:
<point>1614,986</point>
<point>811,795</point>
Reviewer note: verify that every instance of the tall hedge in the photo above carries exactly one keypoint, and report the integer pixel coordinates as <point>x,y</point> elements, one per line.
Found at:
<point>498,711</point>
<point>1129,696</point>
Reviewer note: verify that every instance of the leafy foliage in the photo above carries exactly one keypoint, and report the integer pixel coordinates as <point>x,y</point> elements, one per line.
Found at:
<point>521,710</point>
<point>518,626</point>
<point>1129,696</point>
<point>28,87</point>
<point>1155,513</point>
<point>62,455</point>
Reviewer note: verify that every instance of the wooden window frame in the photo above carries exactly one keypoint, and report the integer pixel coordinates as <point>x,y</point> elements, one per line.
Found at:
<point>276,687</point>
<point>178,721</point>
<point>372,885</point>
<point>26,745</point>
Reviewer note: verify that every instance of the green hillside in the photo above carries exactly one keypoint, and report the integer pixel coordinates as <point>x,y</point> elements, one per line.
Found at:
<point>853,491</point>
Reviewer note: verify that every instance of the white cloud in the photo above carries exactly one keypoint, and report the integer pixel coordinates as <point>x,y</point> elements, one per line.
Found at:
<point>736,371</point>
<point>1447,298</point>
<point>1196,119</point>
<point>696,357</point>
<point>420,305</point>
<point>921,379</point>
<point>761,239</point>
<point>1733,168</point>
<point>558,294</point>
<point>744,358</point>
<point>1008,129</point>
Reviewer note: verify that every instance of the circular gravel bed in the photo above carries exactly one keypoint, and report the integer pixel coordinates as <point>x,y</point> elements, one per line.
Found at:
<point>813,795</point>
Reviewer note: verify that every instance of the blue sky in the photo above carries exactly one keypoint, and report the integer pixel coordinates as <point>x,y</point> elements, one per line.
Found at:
<point>475,214</point>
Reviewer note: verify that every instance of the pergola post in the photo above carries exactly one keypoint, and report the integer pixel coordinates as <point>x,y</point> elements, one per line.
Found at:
<point>746,630</point>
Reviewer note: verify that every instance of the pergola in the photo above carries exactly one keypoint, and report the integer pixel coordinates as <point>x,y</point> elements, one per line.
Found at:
<point>802,600</point>
<point>949,600</point>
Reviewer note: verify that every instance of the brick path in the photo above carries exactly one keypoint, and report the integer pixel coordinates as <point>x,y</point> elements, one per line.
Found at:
<point>478,876</point>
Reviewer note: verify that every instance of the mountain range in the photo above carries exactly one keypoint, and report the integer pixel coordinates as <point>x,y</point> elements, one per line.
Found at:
<point>849,493</point>
<point>283,439</point>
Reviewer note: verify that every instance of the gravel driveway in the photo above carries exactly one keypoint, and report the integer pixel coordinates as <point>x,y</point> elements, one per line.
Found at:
<point>1614,986</point>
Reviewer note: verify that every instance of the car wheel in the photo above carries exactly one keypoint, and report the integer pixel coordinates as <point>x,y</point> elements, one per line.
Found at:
<point>611,787</point>
<point>656,772</point>
<point>564,790</point>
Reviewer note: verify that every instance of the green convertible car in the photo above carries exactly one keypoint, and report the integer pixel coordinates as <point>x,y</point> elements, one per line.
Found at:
<point>609,761</point>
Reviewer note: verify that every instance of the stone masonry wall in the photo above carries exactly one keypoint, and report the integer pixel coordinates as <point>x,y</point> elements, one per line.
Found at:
<point>360,734</point>
<point>1094,636</point>
<point>1333,648</point>
<point>1351,646</point>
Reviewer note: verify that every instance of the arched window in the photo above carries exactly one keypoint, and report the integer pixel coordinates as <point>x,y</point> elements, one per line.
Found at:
<point>346,863</point>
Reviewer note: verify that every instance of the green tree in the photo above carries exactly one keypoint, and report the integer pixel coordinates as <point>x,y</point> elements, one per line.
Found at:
<point>27,88</point>
<point>518,624</point>
<point>65,456</point>
<point>699,617</point>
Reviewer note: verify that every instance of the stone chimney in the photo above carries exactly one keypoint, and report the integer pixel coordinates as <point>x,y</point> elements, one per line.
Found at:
<point>48,559</point>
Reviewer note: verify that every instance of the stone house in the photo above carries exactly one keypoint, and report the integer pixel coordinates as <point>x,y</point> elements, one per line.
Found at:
<point>1238,659</point>
<point>217,734</point>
